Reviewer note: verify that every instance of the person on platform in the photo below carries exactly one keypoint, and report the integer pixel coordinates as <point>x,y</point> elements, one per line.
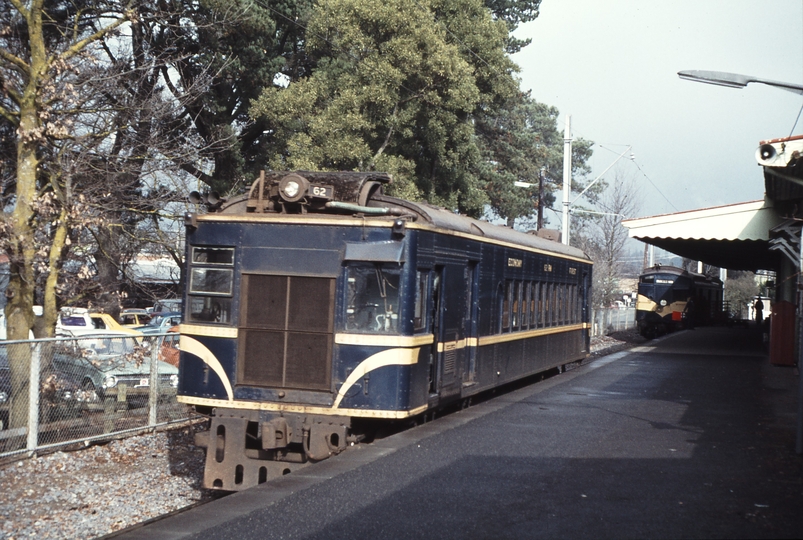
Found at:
<point>689,314</point>
<point>759,307</point>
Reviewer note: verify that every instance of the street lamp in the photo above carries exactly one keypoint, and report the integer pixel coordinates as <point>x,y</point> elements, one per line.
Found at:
<point>734,80</point>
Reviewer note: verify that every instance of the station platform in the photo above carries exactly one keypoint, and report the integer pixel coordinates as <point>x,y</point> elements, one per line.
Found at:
<point>688,436</point>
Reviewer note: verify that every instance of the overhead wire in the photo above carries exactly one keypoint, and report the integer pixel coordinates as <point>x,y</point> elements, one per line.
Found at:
<point>656,187</point>
<point>796,121</point>
<point>633,159</point>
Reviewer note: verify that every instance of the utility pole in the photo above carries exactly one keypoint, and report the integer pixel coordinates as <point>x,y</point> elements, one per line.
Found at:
<point>567,176</point>
<point>540,222</point>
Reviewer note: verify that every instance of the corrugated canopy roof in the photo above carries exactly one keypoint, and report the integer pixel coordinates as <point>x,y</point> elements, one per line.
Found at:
<point>735,236</point>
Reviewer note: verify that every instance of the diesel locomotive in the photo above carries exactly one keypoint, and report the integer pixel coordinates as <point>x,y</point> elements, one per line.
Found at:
<point>670,298</point>
<point>316,305</point>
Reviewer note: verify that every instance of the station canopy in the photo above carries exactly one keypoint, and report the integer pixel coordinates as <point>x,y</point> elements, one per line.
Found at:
<point>746,236</point>
<point>735,236</point>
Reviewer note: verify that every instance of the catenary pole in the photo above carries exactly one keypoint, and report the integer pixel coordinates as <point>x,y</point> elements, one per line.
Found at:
<point>567,176</point>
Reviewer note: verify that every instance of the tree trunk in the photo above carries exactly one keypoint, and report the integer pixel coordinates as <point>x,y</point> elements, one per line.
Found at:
<point>22,281</point>
<point>50,308</point>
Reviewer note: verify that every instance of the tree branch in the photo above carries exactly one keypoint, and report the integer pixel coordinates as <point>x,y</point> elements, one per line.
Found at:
<point>78,46</point>
<point>16,61</point>
<point>10,116</point>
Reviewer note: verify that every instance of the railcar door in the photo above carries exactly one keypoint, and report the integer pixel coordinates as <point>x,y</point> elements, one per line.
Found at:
<point>453,327</point>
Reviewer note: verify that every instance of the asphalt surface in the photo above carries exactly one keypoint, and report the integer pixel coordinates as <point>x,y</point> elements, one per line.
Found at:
<point>689,436</point>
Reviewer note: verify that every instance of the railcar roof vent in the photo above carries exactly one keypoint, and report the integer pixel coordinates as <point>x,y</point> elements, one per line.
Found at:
<point>300,192</point>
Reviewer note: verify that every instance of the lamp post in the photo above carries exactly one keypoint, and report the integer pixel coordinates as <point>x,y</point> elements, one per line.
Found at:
<point>735,80</point>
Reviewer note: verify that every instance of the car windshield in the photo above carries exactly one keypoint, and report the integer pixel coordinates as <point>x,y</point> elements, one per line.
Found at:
<point>109,353</point>
<point>160,320</point>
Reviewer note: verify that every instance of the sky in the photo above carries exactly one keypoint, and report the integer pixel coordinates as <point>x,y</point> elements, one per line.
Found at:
<point>612,65</point>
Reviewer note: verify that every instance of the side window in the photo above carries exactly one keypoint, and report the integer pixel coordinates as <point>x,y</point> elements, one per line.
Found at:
<point>525,306</point>
<point>540,301</point>
<point>421,301</point>
<point>516,305</point>
<point>558,304</point>
<point>506,307</point>
<point>211,284</point>
<point>98,323</point>
<point>550,307</point>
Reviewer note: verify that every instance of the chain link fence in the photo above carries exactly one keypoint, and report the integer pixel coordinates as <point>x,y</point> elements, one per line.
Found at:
<point>607,320</point>
<point>59,392</point>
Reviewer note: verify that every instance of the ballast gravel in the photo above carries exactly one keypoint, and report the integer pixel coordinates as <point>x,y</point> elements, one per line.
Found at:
<point>101,489</point>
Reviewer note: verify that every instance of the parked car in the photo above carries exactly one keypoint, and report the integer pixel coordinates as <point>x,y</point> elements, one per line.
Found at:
<point>131,318</point>
<point>161,323</point>
<point>74,322</point>
<point>61,393</point>
<point>115,366</point>
<point>169,305</point>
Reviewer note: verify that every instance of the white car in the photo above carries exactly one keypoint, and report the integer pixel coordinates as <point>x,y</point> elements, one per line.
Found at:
<point>74,322</point>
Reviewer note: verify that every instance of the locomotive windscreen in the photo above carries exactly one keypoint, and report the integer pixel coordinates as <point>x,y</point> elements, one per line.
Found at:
<point>286,331</point>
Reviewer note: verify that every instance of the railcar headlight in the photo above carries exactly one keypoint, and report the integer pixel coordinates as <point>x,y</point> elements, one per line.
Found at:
<point>110,382</point>
<point>3,397</point>
<point>663,303</point>
<point>293,187</point>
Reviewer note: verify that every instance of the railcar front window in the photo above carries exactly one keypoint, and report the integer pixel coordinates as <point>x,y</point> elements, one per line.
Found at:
<point>372,306</point>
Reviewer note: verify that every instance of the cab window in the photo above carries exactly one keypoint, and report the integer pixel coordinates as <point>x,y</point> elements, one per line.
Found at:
<point>372,306</point>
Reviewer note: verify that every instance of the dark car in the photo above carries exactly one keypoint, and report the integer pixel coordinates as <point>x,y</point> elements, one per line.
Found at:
<point>60,392</point>
<point>115,366</point>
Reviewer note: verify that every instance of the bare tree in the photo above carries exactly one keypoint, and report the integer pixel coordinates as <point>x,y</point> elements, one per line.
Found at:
<point>740,289</point>
<point>603,237</point>
<point>96,141</point>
